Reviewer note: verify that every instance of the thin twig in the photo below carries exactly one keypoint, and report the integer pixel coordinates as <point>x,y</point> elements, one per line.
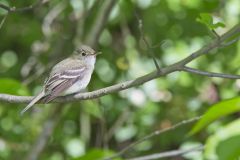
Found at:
<point>3,20</point>
<point>210,74</point>
<point>149,47</point>
<point>168,154</point>
<point>215,34</point>
<point>136,82</point>
<point>231,42</point>
<point>214,44</point>
<point>30,7</point>
<point>155,133</point>
<point>14,9</point>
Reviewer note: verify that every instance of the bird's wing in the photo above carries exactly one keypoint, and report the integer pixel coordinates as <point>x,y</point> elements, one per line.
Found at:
<point>59,82</point>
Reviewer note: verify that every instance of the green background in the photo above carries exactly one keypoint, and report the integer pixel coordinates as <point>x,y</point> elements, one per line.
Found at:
<point>31,43</point>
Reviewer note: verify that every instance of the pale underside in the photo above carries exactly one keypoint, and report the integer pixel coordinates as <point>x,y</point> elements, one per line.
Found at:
<point>73,79</point>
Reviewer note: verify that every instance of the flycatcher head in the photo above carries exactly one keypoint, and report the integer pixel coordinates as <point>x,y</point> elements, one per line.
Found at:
<point>86,54</point>
<point>84,51</point>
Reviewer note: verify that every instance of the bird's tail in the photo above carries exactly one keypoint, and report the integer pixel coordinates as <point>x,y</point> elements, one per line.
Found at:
<point>35,100</point>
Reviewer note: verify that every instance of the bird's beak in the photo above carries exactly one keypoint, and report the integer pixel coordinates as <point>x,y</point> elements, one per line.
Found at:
<point>97,53</point>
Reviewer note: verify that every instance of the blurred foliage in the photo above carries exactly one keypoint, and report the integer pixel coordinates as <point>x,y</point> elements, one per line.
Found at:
<point>11,86</point>
<point>96,154</point>
<point>207,19</point>
<point>33,41</point>
<point>217,111</point>
<point>222,144</point>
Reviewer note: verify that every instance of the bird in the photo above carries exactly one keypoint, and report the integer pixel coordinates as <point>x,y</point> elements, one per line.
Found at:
<point>69,76</point>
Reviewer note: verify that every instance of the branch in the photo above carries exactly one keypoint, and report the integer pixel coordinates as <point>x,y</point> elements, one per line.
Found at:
<point>136,82</point>
<point>14,9</point>
<point>149,48</point>
<point>168,154</point>
<point>210,74</point>
<point>100,22</point>
<point>30,7</point>
<point>231,42</point>
<point>3,20</point>
<point>155,133</point>
<point>217,43</point>
<point>98,93</point>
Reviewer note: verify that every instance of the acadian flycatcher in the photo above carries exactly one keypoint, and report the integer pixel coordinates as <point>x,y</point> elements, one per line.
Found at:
<point>69,76</point>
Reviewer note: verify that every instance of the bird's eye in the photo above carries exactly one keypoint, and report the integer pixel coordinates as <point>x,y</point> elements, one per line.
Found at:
<point>83,54</point>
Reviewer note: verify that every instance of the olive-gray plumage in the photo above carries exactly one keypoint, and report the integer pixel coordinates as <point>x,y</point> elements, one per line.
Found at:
<point>69,76</point>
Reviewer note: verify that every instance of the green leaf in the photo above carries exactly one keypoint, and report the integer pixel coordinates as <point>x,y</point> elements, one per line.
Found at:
<point>12,86</point>
<point>207,20</point>
<point>214,143</point>
<point>96,154</point>
<point>219,24</point>
<point>217,111</point>
<point>229,148</point>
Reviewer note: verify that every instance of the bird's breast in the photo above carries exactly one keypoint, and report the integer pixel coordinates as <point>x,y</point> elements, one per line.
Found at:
<point>79,85</point>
